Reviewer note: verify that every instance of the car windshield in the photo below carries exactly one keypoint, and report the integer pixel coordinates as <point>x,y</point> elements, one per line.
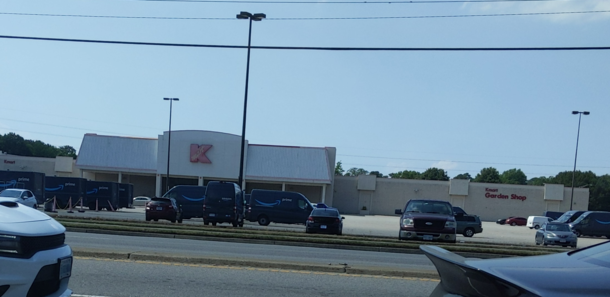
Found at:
<point>10,193</point>
<point>325,212</point>
<point>430,207</point>
<point>566,216</point>
<point>558,227</point>
<point>580,218</point>
<point>160,201</point>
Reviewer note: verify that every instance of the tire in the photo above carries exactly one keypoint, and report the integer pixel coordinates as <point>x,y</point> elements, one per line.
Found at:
<point>536,227</point>
<point>532,228</point>
<point>469,232</point>
<point>307,230</point>
<point>156,220</point>
<point>241,224</point>
<point>537,243</point>
<point>263,220</point>
<point>213,223</point>
<point>578,233</point>
<point>207,223</point>
<point>173,221</point>
<point>513,224</point>
<point>179,221</point>
<point>340,232</point>
<point>147,219</point>
<point>234,223</point>
<point>179,217</point>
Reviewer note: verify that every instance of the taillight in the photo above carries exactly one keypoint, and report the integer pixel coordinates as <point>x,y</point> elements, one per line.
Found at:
<point>249,209</point>
<point>338,220</point>
<point>204,207</point>
<point>310,219</point>
<point>170,207</point>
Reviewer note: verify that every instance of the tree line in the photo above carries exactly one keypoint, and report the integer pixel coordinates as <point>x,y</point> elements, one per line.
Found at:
<point>599,186</point>
<point>14,144</point>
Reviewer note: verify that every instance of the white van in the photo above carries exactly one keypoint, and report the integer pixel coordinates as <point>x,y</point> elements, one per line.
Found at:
<point>535,222</point>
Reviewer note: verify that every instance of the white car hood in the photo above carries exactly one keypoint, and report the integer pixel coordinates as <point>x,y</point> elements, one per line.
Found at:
<point>26,221</point>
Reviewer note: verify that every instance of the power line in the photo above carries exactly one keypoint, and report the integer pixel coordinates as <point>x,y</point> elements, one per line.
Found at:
<point>311,19</point>
<point>354,2</point>
<point>444,49</point>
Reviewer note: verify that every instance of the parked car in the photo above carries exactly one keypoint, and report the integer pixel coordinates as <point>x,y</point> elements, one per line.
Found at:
<point>569,216</point>
<point>427,220</point>
<point>468,225</point>
<point>325,220</point>
<point>34,259</point>
<point>163,209</point>
<point>552,214</point>
<point>25,197</point>
<point>582,273</point>
<point>502,221</point>
<point>458,210</point>
<point>266,206</point>
<point>556,234</point>
<point>516,221</point>
<point>224,203</point>
<point>535,222</point>
<point>140,200</point>
<point>592,223</point>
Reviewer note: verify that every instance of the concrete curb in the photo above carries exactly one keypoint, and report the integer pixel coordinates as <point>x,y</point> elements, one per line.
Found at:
<point>292,266</point>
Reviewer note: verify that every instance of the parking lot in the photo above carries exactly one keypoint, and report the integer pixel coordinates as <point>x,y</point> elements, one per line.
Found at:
<point>383,226</point>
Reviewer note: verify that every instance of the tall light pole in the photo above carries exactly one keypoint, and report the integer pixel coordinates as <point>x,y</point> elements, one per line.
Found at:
<point>169,140</point>
<point>579,113</point>
<point>252,17</point>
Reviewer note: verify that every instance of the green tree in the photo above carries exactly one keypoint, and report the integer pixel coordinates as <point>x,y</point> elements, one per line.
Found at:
<point>355,172</point>
<point>488,175</point>
<point>41,149</point>
<point>463,176</point>
<point>406,174</point>
<point>377,173</point>
<point>513,176</point>
<point>435,174</point>
<point>581,179</point>
<point>540,181</point>
<point>339,169</point>
<point>67,151</point>
<point>599,195</point>
<point>14,144</point>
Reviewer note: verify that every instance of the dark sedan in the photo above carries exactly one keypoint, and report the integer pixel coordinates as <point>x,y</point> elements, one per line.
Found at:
<point>324,220</point>
<point>581,273</point>
<point>164,209</point>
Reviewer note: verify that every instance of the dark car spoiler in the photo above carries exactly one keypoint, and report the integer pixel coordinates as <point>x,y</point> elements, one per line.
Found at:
<point>457,277</point>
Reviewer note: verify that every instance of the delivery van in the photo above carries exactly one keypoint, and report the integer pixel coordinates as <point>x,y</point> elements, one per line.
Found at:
<point>592,223</point>
<point>535,222</point>
<point>266,206</point>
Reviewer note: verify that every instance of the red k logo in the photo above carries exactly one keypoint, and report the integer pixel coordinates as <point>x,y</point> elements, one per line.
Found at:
<point>198,153</point>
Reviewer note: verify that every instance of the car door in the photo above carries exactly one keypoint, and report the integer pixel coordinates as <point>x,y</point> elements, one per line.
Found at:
<point>540,234</point>
<point>28,198</point>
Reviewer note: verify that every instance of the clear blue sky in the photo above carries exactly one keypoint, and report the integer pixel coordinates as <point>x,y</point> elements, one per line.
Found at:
<point>383,111</point>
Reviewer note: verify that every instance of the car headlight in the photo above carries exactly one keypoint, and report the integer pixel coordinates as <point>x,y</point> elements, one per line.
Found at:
<point>450,224</point>
<point>407,222</point>
<point>10,244</point>
<point>550,235</point>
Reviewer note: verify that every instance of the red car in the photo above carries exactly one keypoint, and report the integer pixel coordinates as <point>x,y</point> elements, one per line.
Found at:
<point>516,221</point>
<point>163,208</point>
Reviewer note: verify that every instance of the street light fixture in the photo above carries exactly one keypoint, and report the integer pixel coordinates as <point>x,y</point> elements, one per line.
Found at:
<point>579,113</point>
<point>252,17</point>
<point>169,140</point>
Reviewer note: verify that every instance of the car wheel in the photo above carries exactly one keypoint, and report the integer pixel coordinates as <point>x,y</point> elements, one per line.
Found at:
<point>564,246</point>
<point>156,220</point>
<point>234,223</point>
<point>206,222</point>
<point>340,232</point>
<point>469,232</point>
<point>213,223</point>
<point>537,227</point>
<point>147,219</point>
<point>531,228</point>
<point>241,224</point>
<point>578,233</point>
<point>537,243</point>
<point>263,220</point>
<point>307,230</point>
<point>173,221</point>
<point>513,224</point>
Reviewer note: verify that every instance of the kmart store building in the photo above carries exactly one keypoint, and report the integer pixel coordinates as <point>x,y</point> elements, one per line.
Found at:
<point>197,157</point>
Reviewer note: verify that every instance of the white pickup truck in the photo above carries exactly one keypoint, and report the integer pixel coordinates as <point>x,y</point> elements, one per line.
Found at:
<point>34,260</point>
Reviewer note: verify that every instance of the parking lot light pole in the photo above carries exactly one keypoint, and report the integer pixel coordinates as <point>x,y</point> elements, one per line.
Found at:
<point>169,140</point>
<point>252,17</point>
<point>579,113</point>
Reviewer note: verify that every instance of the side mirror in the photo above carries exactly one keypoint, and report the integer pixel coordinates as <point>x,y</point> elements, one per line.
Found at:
<point>398,211</point>
<point>343,218</point>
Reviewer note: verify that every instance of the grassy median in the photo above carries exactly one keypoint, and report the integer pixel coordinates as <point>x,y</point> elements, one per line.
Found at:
<point>291,237</point>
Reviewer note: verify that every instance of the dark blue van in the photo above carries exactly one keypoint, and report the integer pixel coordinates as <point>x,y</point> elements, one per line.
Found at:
<point>189,199</point>
<point>224,203</point>
<point>266,206</point>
